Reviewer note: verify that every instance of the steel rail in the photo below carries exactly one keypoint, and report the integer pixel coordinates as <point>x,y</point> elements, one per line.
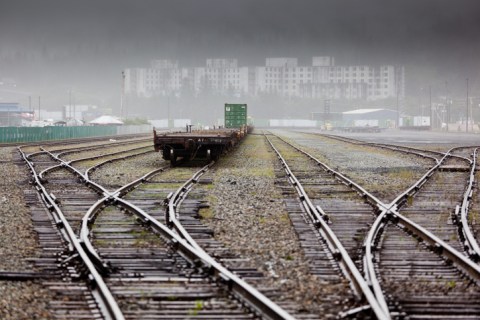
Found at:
<point>471,244</point>
<point>250,296</point>
<point>175,200</point>
<point>436,244</point>
<point>389,213</point>
<point>319,220</point>
<point>95,167</point>
<point>30,144</point>
<point>243,291</point>
<point>89,148</point>
<point>352,184</point>
<point>108,155</point>
<point>91,215</point>
<point>99,289</point>
<point>239,288</point>
<point>95,186</point>
<point>86,221</point>
<point>416,151</point>
<point>59,166</point>
<point>382,207</point>
<point>34,154</point>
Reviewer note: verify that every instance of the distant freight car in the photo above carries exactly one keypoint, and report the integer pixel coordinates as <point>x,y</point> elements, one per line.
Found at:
<point>204,144</point>
<point>235,115</point>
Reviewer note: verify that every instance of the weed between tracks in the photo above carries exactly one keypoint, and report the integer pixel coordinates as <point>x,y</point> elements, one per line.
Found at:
<point>145,239</point>
<point>198,307</point>
<point>160,185</point>
<point>472,216</point>
<point>207,212</point>
<point>250,150</point>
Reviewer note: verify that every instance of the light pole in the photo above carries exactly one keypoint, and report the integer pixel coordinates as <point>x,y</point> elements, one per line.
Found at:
<point>38,108</point>
<point>122,95</point>
<point>447,109</point>
<point>431,111</point>
<point>466,124</point>
<point>398,109</point>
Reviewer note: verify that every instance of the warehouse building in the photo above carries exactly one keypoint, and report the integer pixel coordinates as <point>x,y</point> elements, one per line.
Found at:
<point>383,118</point>
<point>13,115</point>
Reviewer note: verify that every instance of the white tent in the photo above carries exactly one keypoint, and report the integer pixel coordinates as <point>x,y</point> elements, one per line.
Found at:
<point>105,120</point>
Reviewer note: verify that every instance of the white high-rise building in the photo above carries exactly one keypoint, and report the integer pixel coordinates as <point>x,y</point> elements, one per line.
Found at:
<point>279,76</point>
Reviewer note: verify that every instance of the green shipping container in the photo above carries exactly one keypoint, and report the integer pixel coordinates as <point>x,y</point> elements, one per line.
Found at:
<point>235,115</point>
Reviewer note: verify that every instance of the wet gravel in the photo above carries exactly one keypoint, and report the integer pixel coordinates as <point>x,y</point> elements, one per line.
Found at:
<point>248,215</point>
<point>108,149</point>
<point>18,242</point>
<point>382,172</point>
<point>116,174</point>
<point>250,218</point>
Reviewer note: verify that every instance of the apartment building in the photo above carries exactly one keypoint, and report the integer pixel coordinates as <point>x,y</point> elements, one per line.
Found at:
<point>281,76</point>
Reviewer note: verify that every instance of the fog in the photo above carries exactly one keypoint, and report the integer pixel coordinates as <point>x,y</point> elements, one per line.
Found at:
<point>53,47</point>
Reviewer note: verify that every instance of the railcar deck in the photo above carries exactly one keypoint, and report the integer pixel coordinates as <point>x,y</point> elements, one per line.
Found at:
<point>207,144</point>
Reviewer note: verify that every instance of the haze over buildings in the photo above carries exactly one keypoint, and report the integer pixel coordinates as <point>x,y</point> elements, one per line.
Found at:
<point>56,47</point>
<point>322,79</point>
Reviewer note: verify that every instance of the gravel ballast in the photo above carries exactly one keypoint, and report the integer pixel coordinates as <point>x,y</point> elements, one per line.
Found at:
<point>250,218</point>
<point>18,242</point>
<point>384,173</point>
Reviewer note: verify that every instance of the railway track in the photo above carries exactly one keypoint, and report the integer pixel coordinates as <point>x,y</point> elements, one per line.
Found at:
<point>330,207</point>
<point>139,250</point>
<point>148,276</point>
<point>399,250</point>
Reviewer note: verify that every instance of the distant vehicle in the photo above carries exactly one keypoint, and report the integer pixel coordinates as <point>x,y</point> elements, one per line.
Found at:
<point>204,144</point>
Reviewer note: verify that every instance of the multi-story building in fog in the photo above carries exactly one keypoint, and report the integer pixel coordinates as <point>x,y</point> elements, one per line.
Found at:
<point>279,76</point>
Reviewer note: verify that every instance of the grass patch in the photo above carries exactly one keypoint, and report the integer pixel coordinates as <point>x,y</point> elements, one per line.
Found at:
<point>285,218</point>
<point>404,174</point>
<point>160,185</point>
<point>145,238</point>
<point>262,172</point>
<point>208,212</point>
<point>198,307</point>
<point>472,216</point>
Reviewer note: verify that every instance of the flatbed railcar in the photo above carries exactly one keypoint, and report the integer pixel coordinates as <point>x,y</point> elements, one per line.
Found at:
<point>204,144</point>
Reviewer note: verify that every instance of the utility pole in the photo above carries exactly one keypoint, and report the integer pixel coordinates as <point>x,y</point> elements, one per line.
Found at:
<point>70,104</point>
<point>466,124</point>
<point>121,94</point>
<point>168,111</point>
<point>431,111</point>
<point>396,90</point>
<point>74,115</point>
<point>447,108</point>
<point>38,108</point>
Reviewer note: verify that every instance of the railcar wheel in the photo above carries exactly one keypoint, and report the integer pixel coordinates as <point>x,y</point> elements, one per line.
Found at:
<point>166,153</point>
<point>173,157</point>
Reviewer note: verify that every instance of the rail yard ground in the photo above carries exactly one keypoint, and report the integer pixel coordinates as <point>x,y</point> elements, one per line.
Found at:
<point>250,207</point>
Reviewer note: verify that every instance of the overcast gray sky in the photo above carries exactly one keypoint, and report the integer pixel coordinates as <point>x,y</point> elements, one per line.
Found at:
<point>105,36</point>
